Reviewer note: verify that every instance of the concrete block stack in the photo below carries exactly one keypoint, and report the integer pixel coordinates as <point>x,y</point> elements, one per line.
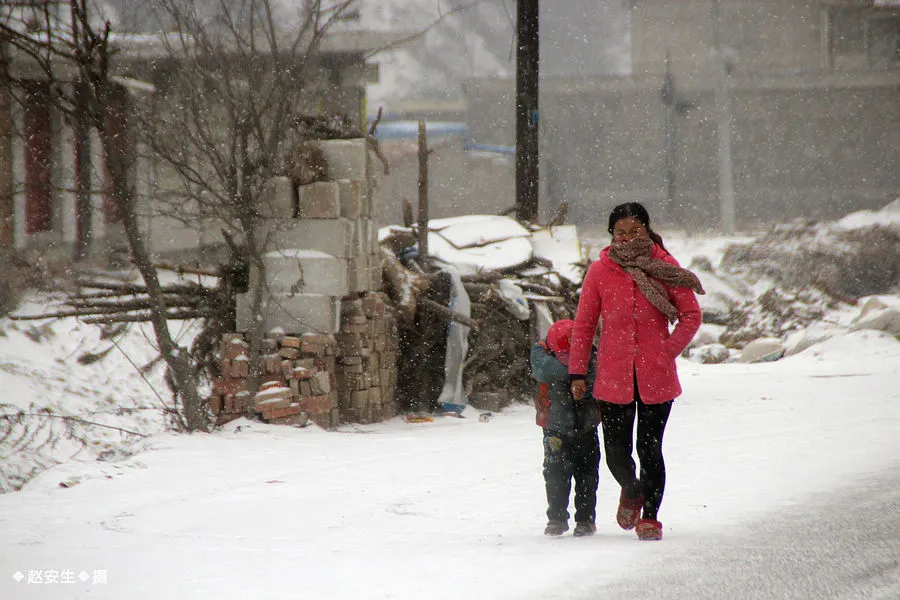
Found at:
<point>367,365</point>
<point>320,241</point>
<point>337,359</point>
<point>298,380</point>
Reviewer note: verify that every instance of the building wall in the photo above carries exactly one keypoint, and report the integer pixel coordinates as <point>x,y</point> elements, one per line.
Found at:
<point>35,179</point>
<point>460,182</point>
<point>41,179</point>
<point>826,150</point>
<point>810,138</point>
<point>797,151</point>
<point>759,35</point>
<point>862,37</point>
<point>335,89</point>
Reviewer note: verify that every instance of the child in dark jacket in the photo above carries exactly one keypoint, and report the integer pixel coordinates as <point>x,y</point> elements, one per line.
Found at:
<point>571,445</point>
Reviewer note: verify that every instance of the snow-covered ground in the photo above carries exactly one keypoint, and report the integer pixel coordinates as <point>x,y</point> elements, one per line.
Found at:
<point>53,372</point>
<point>449,509</point>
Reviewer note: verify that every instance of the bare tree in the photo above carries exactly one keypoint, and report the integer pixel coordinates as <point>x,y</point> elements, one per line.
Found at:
<point>73,55</point>
<point>240,82</point>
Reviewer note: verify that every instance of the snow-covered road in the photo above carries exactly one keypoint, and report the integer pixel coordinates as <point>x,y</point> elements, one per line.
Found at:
<point>840,545</point>
<point>455,508</point>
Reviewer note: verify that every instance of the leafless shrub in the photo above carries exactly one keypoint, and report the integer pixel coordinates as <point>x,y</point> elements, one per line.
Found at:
<point>36,438</point>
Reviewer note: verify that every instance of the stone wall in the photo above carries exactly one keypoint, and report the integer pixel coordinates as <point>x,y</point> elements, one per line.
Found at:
<point>460,181</point>
<point>367,360</point>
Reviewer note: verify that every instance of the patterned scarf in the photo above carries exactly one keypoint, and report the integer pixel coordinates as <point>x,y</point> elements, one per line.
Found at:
<point>647,272</point>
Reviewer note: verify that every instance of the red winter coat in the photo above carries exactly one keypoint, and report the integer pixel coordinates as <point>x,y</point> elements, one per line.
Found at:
<point>635,335</point>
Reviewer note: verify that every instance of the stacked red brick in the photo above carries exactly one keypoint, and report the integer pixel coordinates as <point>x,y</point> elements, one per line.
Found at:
<point>367,369</point>
<point>297,380</point>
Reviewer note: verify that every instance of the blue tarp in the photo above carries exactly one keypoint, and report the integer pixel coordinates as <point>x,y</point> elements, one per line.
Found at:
<point>394,130</point>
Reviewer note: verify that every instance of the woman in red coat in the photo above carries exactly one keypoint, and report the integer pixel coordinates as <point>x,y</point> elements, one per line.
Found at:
<point>635,289</point>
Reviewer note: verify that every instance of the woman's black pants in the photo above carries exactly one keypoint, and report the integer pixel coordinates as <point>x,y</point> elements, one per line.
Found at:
<point>618,432</point>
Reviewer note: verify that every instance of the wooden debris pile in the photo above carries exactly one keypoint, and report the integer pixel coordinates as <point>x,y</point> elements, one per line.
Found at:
<point>496,369</point>
<point>104,298</point>
<point>113,299</point>
<point>499,354</point>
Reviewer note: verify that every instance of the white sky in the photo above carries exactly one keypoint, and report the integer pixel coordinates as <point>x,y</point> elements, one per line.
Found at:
<point>449,509</point>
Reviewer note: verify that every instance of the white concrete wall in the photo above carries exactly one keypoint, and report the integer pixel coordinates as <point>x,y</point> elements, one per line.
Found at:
<point>64,180</point>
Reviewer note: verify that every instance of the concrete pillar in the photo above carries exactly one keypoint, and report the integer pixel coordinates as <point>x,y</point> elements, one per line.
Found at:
<point>64,178</point>
<point>98,186</point>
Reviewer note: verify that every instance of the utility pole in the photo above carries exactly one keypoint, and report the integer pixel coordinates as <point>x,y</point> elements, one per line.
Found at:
<point>423,191</point>
<point>527,68</point>
<point>723,109</point>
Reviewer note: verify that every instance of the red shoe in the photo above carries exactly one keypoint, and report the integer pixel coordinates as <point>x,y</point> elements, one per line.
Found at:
<point>629,511</point>
<point>649,529</point>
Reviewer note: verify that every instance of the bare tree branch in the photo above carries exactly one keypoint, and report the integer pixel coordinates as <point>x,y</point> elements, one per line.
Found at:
<point>73,419</point>
<point>422,32</point>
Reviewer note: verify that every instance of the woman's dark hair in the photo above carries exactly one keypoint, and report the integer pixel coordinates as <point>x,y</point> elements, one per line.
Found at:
<point>637,211</point>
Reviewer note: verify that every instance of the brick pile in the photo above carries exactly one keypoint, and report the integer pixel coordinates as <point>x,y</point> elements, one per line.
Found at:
<point>297,384</point>
<point>367,365</point>
<point>350,376</point>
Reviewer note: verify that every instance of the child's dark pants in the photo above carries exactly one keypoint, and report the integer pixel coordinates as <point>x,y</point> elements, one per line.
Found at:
<point>566,457</point>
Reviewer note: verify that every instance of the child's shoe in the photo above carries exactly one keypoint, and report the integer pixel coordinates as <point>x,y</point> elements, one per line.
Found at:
<point>555,528</point>
<point>629,511</point>
<point>649,529</point>
<point>584,528</point>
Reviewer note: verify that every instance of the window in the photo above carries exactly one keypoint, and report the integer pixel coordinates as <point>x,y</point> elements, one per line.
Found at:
<point>119,130</point>
<point>38,129</point>
<point>865,38</point>
<point>883,42</point>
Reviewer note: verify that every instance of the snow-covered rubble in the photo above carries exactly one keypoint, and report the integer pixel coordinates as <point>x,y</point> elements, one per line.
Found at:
<point>799,285</point>
<point>856,256</point>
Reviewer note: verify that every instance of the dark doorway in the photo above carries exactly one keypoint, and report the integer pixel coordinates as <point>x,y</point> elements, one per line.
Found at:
<point>38,161</point>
